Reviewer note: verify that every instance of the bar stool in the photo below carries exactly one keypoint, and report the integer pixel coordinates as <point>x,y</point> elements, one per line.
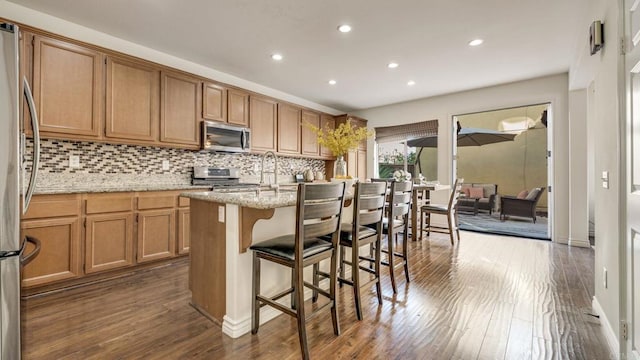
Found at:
<point>447,210</point>
<point>368,209</point>
<point>397,220</point>
<point>318,213</point>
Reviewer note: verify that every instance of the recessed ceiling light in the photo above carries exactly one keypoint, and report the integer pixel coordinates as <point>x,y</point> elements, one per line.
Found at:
<point>411,83</point>
<point>344,28</point>
<point>332,82</point>
<point>276,57</point>
<point>475,42</point>
<point>392,65</point>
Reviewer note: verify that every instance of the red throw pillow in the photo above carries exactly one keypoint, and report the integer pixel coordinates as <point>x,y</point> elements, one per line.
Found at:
<point>465,190</point>
<point>523,194</point>
<point>476,192</point>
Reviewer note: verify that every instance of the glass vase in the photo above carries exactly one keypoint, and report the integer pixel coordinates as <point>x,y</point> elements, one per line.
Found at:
<point>340,168</point>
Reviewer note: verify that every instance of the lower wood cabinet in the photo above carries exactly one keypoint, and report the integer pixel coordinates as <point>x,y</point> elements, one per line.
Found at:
<point>183,230</point>
<point>108,242</point>
<point>59,257</point>
<point>156,234</point>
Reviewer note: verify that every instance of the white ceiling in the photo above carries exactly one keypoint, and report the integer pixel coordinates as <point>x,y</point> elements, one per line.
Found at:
<point>428,38</point>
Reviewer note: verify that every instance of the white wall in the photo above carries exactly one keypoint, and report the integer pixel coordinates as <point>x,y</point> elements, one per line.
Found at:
<point>13,12</point>
<point>600,74</point>
<point>578,170</point>
<point>550,89</point>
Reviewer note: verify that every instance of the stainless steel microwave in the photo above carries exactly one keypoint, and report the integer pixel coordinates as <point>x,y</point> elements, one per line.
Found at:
<point>222,137</point>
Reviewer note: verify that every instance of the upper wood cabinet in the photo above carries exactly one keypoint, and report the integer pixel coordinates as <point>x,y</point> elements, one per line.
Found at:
<point>133,100</point>
<point>214,102</point>
<point>327,122</point>
<point>309,139</point>
<point>180,109</point>
<point>238,109</point>
<point>288,129</point>
<point>263,119</point>
<point>67,88</point>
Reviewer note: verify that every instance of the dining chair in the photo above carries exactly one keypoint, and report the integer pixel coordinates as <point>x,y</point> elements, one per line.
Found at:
<point>318,213</point>
<point>395,222</point>
<point>426,211</point>
<point>368,208</point>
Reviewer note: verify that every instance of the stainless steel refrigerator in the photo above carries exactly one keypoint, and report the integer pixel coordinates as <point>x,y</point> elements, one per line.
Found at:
<point>12,148</point>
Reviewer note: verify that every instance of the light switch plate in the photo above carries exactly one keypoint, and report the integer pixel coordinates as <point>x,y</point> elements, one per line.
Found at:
<point>605,184</point>
<point>74,161</point>
<point>605,175</point>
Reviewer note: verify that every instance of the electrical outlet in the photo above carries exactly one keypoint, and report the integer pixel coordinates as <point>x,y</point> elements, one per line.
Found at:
<point>604,277</point>
<point>605,184</point>
<point>605,175</point>
<point>165,165</point>
<point>221,214</point>
<point>74,161</point>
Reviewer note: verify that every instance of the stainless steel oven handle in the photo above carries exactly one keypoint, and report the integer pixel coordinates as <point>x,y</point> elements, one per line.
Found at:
<point>244,140</point>
<point>36,145</point>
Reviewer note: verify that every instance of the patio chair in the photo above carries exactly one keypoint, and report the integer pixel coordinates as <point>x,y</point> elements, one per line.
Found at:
<point>520,206</point>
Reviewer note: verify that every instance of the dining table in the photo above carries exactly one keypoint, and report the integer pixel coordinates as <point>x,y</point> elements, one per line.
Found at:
<point>426,189</point>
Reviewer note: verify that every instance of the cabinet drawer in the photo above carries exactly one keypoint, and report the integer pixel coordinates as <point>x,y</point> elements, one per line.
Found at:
<point>184,201</point>
<point>45,206</point>
<point>156,202</point>
<point>109,204</point>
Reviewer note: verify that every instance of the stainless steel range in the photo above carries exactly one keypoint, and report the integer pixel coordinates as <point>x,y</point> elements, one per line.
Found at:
<point>219,178</point>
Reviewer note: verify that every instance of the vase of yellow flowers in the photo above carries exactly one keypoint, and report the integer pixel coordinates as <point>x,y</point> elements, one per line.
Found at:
<point>339,141</point>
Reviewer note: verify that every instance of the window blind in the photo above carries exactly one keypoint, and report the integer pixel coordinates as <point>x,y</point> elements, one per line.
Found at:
<point>406,131</point>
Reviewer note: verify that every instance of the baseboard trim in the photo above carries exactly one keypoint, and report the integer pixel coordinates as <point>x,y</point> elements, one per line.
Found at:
<point>579,243</point>
<point>607,330</point>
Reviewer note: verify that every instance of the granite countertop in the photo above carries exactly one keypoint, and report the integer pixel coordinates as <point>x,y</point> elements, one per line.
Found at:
<point>98,183</point>
<point>265,199</point>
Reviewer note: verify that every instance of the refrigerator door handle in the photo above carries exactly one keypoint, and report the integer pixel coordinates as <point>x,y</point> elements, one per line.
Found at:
<point>36,146</point>
<point>29,257</point>
<point>10,253</point>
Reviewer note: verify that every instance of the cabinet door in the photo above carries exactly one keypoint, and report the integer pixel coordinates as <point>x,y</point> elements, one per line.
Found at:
<point>133,100</point>
<point>183,230</point>
<point>288,129</point>
<point>238,109</point>
<point>309,139</point>
<point>362,165</point>
<point>59,256</point>
<point>352,163</point>
<point>214,102</point>
<point>108,242</point>
<point>327,122</point>
<point>263,120</point>
<point>181,108</point>
<point>67,88</point>
<point>156,234</point>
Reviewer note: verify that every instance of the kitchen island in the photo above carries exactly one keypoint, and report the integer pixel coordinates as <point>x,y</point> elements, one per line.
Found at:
<point>223,226</point>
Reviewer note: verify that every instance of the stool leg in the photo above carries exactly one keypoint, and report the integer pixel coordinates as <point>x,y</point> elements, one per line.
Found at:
<point>390,237</point>
<point>293,286</point>
<point>255,290</point>
<point>341,265</point>
<point>457,223</point>
<point>405,242</point>
<point>300,317</point>
<point>377,257</point>
<point>355,277</point>
<point>316,282</point>
<point>333,287</point>
<point>449,215</point>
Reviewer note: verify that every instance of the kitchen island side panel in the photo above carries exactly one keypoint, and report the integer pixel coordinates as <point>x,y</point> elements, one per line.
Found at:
<point>208,264</point>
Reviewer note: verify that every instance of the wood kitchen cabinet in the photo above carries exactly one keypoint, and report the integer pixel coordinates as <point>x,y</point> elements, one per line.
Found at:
<point>214,102</point>
<point>238,107</point>
<point>263,117</point>
<point>180,111</point>
<point>309,139</point>
<point>184,235</point>
<point>132,101</point>
<point>55,221</point>
<point>288,129</point>
<point>108,231</point>
<point>67,88</point>
<point>327,122</point>
<point>156,229</point>
<point>357,158</point>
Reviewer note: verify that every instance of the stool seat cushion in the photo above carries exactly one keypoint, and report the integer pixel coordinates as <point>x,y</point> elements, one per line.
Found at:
<point>346,234</point>
<point>284,246</point>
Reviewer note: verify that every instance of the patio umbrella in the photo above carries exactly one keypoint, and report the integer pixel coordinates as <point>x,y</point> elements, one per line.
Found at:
<point>466,137</point>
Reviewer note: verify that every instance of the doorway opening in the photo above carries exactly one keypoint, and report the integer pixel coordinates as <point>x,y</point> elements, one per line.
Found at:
<point>502,155</point>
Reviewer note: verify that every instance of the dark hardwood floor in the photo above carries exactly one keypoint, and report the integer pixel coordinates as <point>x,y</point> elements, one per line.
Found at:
<point>489,297</point>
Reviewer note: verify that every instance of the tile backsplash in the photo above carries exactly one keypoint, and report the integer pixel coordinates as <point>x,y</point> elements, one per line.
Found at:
<point>100,158</point>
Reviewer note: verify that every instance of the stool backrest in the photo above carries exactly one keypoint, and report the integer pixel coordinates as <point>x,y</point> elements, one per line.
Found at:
<point>455,192</point>
<point>400,199</point>
<point>368,204</point>
<point>318,212</point>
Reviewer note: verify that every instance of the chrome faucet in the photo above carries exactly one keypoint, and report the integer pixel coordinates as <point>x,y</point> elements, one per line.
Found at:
<point>275,170</point>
